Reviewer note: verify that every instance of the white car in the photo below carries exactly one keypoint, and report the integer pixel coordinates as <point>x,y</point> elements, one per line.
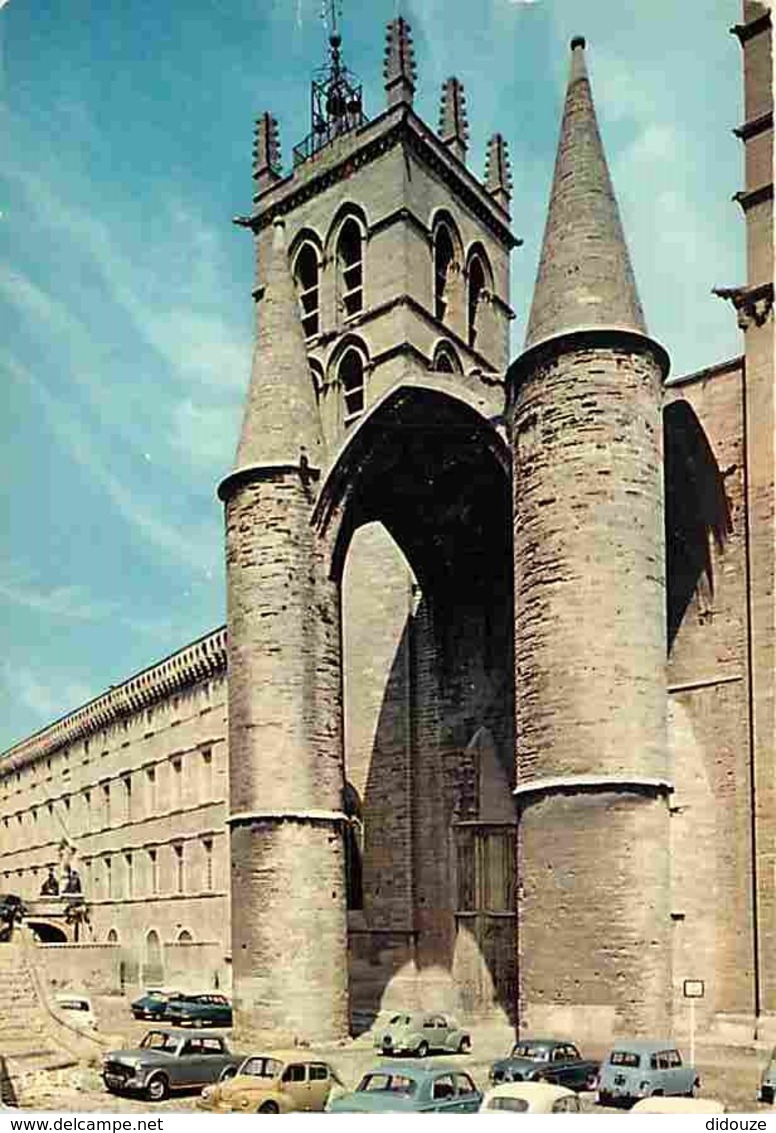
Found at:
<point>658,1104</point>
<point>76,1009</point>
<point>530,1097</point>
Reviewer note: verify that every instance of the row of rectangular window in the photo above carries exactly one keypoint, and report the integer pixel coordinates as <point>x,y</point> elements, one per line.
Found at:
<point>108,813</point>
<point>101,880</point>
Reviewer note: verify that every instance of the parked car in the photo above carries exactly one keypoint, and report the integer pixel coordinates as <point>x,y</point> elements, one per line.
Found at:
<point>637,1069</point>
<point>406,1087</point>
<point>548,1060</point>
<point>209,1010</point>
<point>659,1104</point>
<point>76,1008</point>
<point>768,1080</point>
<point>277,1082</point>
<point>420,1034</point>
<point>530,1097</point>
<point>168,1060</point>
<point>152,1003</point>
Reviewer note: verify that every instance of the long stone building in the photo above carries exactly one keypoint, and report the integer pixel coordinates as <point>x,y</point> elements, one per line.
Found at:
<point>490,726</point>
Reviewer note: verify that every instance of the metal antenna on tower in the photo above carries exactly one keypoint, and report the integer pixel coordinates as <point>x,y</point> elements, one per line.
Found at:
<point>336,103</point>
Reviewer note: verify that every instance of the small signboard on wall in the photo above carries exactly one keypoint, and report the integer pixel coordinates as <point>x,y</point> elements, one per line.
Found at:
<point>694,989</point>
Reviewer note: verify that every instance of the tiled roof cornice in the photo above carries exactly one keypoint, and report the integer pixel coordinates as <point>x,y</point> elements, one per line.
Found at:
<point>194,663</point>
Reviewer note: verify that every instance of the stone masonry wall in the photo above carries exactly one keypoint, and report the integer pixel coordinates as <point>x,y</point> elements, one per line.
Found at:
<point>590,681</point>
<point>286,769</point>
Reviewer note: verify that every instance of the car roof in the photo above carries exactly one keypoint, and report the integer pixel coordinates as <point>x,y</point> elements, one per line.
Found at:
<point>678,1105</point>
<point>531,1091</point>
<point>290,1055</point>
<point>412,1069</point>
<point>543,1042</point>
<point>188,1033</point>
<point>642,1045</point>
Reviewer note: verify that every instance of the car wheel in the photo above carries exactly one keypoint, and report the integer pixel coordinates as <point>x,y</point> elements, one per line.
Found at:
<point>269,1107</point>
<point>422,1050</point>
<point>158,1088</point>
<point>693,1091</point>
<point>465,1045</point>
<point>604,1098</point>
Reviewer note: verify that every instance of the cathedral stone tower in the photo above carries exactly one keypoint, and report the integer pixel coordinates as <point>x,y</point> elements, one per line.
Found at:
<point>592,774</point>
<point>285,750</point>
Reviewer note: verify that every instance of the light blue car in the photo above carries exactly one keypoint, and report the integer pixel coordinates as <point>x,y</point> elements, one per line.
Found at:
<point>641,1068</point>
<point>406,1087</point>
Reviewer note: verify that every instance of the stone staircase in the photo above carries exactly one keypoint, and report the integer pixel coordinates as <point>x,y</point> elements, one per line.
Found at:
<point>27,1047</point>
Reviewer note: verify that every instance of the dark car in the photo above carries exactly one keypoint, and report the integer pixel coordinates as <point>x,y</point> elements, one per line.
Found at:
<point>209,1010</point>
<point>409,1087</point>
<point>168,1060</point>
<point>152,1005</point>
<point>546,1060</point>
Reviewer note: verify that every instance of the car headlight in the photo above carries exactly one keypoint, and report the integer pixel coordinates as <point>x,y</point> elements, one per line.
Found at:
<point>208,1092</point>
<point>245,1103</point>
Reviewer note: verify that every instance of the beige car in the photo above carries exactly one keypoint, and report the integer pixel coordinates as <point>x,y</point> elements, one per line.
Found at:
<point>657,1104</point>
<point>275,1082</point>
<point>530,1097</point>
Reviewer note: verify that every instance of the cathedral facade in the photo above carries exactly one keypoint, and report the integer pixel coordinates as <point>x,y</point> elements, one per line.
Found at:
<point>490,725</point>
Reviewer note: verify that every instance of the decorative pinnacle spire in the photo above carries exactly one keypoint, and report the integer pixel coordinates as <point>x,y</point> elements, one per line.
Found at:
<point>498,174</point>
<point>266,152</point>
<point>585,277</point>
<point>399,70</point>
<point>453,123</point>
<point>281,421</point>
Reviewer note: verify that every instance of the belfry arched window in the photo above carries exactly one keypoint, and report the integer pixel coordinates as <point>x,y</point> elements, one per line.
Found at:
<point>350,268</point>
<point>475,288</point>
<point>443,257</point>
<point>307,283</point>
<point>350,374</point>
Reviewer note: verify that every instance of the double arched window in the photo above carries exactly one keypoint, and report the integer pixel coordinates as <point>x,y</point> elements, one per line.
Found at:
<point>350,268</point>
<point>306,277</point>
<point>444,253</point>
<point>351,374</point>
<point>475,288</point>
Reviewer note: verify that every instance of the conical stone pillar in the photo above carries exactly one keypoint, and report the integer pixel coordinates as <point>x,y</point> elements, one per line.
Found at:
<point>289,931</point>
<point>592,774</point>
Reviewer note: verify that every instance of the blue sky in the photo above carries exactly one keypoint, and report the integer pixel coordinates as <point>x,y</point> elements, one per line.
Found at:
<point>125,310</point>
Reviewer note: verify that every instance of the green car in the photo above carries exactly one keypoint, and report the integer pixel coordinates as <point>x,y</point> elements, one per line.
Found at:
<point>421,1034</point>
<point>210,1010</point>
<point>406,1087</point>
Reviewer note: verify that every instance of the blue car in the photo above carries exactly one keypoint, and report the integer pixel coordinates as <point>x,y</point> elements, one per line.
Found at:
<point>406,1087</point>
<point>639,1068</point>
<point>152,1004</point>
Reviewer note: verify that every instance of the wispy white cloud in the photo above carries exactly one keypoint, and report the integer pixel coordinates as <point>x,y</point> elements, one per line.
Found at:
<point>188,545</point>
<point>71,603</point>
<point>45,693</point>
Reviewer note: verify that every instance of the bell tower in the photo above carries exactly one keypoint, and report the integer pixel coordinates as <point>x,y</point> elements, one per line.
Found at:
<point>399,252</point>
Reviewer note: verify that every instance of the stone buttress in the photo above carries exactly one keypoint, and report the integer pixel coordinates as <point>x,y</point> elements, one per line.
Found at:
<point>285,742</point>
<point>592,775</point>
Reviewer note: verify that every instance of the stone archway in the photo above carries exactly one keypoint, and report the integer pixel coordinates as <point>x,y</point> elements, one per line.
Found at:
<point>417,511</point>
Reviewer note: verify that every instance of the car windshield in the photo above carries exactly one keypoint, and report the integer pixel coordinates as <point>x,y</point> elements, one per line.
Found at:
<point>515,1105</point>
<point>387,1083</point>
<point>73,1005</point>
<point>400,1021</point>
<point>159,1040</point>
<point>532,1051</point>
<point>624,1058</point>
<point>258,1066</point>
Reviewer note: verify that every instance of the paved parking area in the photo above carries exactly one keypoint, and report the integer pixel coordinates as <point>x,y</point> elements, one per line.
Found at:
<point>728,1073</point>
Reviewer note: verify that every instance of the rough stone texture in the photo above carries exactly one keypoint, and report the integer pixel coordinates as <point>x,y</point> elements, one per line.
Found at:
<point>590,680</point>
<point>288,955</point>
<point>585,277</point>
<point>593,916</point>
<point>759,428</point>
